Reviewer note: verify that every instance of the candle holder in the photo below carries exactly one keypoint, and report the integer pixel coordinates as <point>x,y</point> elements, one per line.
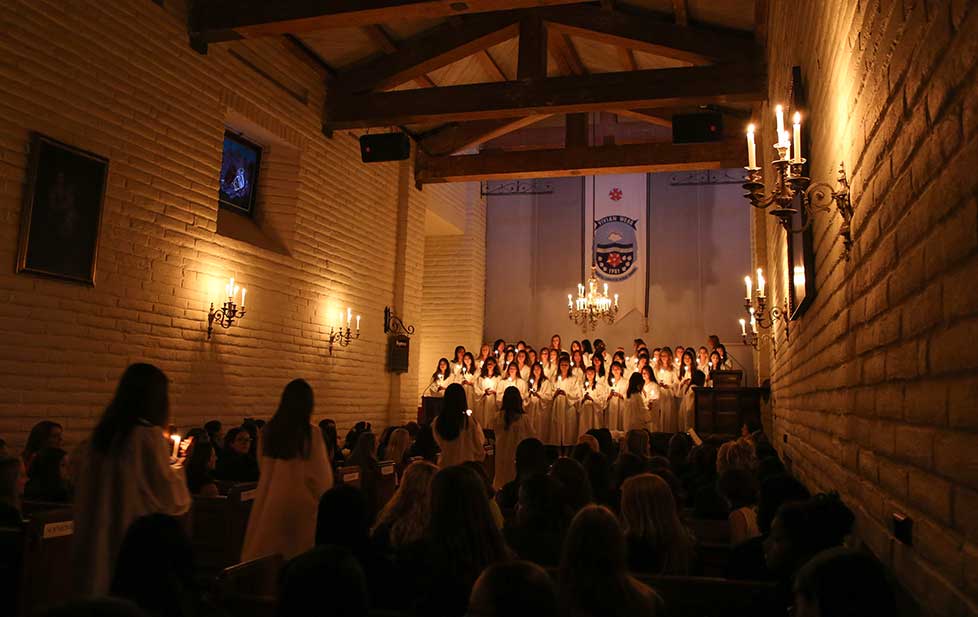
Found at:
<point>341,336</point>
<point>591,305</point>
<point>761,317</point>
<point>224,316</point>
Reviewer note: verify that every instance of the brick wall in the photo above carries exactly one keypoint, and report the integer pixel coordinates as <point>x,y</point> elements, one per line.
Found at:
<point>877,387</point>
<point>119,79</point>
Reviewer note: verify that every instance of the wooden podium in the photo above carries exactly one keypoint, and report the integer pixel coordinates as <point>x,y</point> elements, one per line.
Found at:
<point>722,411</point>
<point>430,408</point>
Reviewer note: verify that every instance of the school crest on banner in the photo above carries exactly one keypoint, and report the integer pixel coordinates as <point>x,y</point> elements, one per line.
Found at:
<point>614,247</point>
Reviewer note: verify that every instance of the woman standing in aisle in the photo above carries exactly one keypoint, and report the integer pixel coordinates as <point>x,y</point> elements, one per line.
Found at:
<point>459,435</point>
<point>512,379</point>
<point>567,394</point>
<point>692,378</point>
<point>539,404</point>
<point>636,409</point>
<point>485,392</point>
<point>593,401</point>
<point>617,393</point>
<point>467,378</point>
<point>514,427</point>
<point>440,379</point>
<point>668,380</point>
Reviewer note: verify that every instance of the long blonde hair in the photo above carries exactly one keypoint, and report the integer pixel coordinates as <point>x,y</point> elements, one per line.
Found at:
<point>397,445</point>
<point>648,511</point>
<point>407,513</point>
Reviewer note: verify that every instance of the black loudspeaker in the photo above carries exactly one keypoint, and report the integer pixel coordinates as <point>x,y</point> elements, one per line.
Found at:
<point>697,128</point>
<point>384,147</point>
<point>397,356</point>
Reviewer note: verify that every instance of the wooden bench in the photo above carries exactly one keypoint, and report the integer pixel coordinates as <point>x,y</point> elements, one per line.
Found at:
<point>250,589</point>
<point>691,596</point>
<point>348,474</point>
<point>490,462</point>
<point>218,527</point>
<point>387,484</point>
<point>44,548</point>
<point>710,531</point>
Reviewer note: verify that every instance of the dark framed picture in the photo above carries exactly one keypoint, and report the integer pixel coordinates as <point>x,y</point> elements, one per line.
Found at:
<point>62,213</point>
<point>240,164</point>
<point>801,246</point>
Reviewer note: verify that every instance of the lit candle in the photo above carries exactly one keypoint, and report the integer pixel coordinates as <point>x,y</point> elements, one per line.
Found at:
<point>779,114</point>
<point>751,149</point>
<point>797,137</point>
<point>760,283</point>
<point>244,291</point>
<point>358,323</point>
<point>570,301</point>
<point>176,444</point>
<point>606,289</point>
<point>235,292</point>
<point>349,315</point>
<point>743,328</point>
<point>231,288</point>
<point>750,287</point>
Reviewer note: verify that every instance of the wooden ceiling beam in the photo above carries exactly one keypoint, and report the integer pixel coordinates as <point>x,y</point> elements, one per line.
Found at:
<point>491,66</point>
<point>456,137</point>
<point>627,59</point>
<point>428,51</point>
<point>381,39</point>
<point>578,161</point>
<point>729,83</point>
<point>214,21</point>
<point>566,56</point>
<point>532,59</point>
<point>651,116</point>
<point>575,130</point>
<point>641,33</point>
<point>681,9</point>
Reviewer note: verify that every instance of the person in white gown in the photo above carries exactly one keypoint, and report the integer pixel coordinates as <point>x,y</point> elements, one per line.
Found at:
<point>458,434</point>
<point>467,378</point>
<point>295,472</point>
<point>540,402</point>
<point>690,378</point>
<point>636,414</point>
<point>485,393</point>
<point>597,361</point>
<point>651,392</point>
<point>122,473</point>
<point>617,390</point>
<point>668,379</point>
<point>522,361</point>
<point>714,366</point>
<point>510,379</point>
<point>726,364</point>
<point>531,357</point>
<point>548,362</point>
<point>577,364</point>
<point>703,361</point>
<point>594,398</point>
<point>484,354</point>
<point>440,379</point>
<point>514,427</point>
<point>457,360</point>
<point>567,395</point>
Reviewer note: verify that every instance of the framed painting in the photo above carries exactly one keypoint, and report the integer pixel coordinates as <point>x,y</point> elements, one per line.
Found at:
<point>801,246</point>
<point>62,213</point>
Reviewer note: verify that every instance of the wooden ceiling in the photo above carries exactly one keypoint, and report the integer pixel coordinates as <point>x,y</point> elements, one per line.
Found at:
<point>458,74</point>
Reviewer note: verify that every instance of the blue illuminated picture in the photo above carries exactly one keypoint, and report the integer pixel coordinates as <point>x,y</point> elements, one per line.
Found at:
<point>239,173</point>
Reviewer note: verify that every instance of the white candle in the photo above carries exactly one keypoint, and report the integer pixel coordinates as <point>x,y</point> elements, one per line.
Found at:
<point>349,315</point>
<point>606,289</point>
<point>797,137</point>
<point>743,328</point>
<point>244,291</point>
<point>751,149</point>
<point>231,288</point>
<point>176,444</point>
<point>760,283</point>
<point>779,114</point>
<point>570,301</point>
<point>748,283</point>
<point>616,300</point>
<point>358,323</point>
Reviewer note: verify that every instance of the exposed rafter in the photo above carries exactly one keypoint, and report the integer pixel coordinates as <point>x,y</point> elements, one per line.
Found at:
<point>532,61</point>
<point>490,65</point>
<point>681,9</point>
<point>456,137</point>
<point>741,82</point>
<point>566,56</point>
<point>659,117</point>
<point>627,59</point>
<point>381,39</point>
<point>576,161</point>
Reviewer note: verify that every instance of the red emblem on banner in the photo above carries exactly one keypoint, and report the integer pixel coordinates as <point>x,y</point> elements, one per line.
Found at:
<point>615,194</point>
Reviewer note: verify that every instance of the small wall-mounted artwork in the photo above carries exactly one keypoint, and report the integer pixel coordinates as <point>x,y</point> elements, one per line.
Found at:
<point>240,164</point>
<point>62,213</point>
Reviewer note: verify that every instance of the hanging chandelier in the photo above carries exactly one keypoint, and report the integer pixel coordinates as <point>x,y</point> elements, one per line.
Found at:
<point>591,305</point>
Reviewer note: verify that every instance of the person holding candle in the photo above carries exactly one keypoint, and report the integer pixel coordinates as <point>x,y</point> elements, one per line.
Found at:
<point>594,399</point>
<point>499,350</point>
<point>457,360</point>
<point>523,364</point>
<point>484,353</point>
<point>567,395</point>
<point>467,378</point>
<point>514,426</point>
<point>511,379</point>
<point>485,392</point>
<point>637,414</point>
<point>540,396</point>
<point>597,361</point>
<point>459,435</point>
<point>703,361</point>
<point>549,361</point>
<point>577,363</point>
<point>725,363</point>
<point>440,379</point>
<point>531,357</point>
<point>617,393</point>
<point>668,379</point>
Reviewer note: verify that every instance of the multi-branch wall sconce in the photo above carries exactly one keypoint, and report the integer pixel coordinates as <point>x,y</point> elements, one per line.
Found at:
<point>790,182</point>
<point>758,313</point>
<point>340,335</point>
<point>229,312</point>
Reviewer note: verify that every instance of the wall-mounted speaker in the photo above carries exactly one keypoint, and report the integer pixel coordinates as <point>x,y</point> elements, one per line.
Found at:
<point>697,128</point>
<point>381,147</point>
<point>399,350</point>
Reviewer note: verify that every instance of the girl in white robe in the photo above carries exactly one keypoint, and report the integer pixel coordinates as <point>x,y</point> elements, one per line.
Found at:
<point>594,398</point>
<point>617,389</point>
<point>567,395</point>
<point>690,378</point>
<point>531,358</point>
<point>514,426</point>
<point>458,434</point>
<point>457,360</point>
<point>715,365</point>
<point>548,362</point>
<point>467,378</point>
<point>636,414</point>
<point>577,364</point>
<point>669,397</point>
<point>440,379</point>
<point>703,361</point>
<point>512,379</point>
<point>523,363</point>
<point>485,393</point>
<point>651,392</point>
<point>484,354</point>
<point>540,402</point>
<point>600,372</point>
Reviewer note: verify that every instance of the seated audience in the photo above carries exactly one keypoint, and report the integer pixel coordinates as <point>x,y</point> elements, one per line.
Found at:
<point>44,434</point>
<point>737,454</point>
<point>155,568</point>
<point>594,578</point>
<point>575,488</point>
<point>412,428</point>
<point>333,452</point>
<point>49,478</point>
<point>352,435</point>
<point>531,458</point>
<point>397,448</point>
<point>385,436</point>
<point>843,583</point>
<point>480,470</point>
<point>326,580</point>
<point>514,427</point>
<point>458,435</point>
<point>680,445</point>
<point>4,450</point>
<point>658,543</point>
<point>700,483</point>
<point>599,477</point>
<point>515,588</point>
<point>364,457</point>
<point>12,482</point>
<point>215,434</point>
<point>236,463</point>
<point>201,463</point>
<point>637,443</point>
<point>739,488</point>
<point>460,540</point>
<point>123,473</point>
<point>403,519</point>
<point>424,445</point>
<point>537,532</point>
<point>606,442</point>
<point>295,474</point>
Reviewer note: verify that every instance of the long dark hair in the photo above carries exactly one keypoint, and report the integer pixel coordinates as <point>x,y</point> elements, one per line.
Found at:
<point>452,418</point>
<point>485,367</point>
<point>458,349</point>
<point>469,368</point>
<point>682,364</point>
<point>599,373</point>
<point>543,374</point>
<point>328,429</point>
<point>593,569</point>
<point>288,434</point>
<point>140,398</point>
<point>512,405</point>
<point>635,384</point>
<point>198,474</point>
<point>611,371</point>
<point>39,437</point>
<point>448,369</point>
<point>45,482</point>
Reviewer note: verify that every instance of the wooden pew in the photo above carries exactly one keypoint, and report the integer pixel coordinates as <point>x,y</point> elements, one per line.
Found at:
<point>249,589</point>
<point>218,528</point>
<point>690,596</point>
<point>710,531</point>
<point>490,461</point>
<point>348,474</point>
<point>387,484</point>
<point>45,557</point>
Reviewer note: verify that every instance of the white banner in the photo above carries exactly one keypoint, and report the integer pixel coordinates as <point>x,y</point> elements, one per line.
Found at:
<point>615,230</point>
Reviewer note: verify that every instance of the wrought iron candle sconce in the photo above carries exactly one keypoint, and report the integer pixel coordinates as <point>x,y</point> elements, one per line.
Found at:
<point>229,312</point>
<point>341,336</point>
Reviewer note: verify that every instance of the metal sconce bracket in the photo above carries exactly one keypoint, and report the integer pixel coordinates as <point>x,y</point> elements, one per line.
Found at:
<point>394,325</point>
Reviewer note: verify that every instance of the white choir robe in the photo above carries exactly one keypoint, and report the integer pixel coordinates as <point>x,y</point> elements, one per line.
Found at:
<point>468,381</point>
<point>439,382</point>
<point>456,368</point>
<point>686,407</point>
<point>506,382</point>
<point>651,393</point>
<point>468,446</point>
<point>563,421</point>
<point>538,408</point>
<point>550,370</point>
<point>525,372</point>
<point>669,399</point>
<point>507,439</point>
<point>592,407</point>
<point>637,413</point>
<point>615,412</point>
<point>485,407</point>
<point>706,370</point>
